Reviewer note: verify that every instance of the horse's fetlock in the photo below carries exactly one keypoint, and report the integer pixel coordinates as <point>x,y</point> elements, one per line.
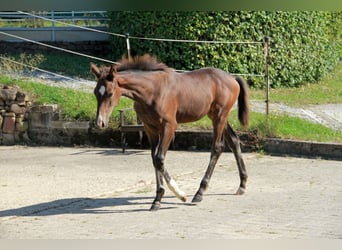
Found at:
<point>160,163</point>
<point>204,184</point>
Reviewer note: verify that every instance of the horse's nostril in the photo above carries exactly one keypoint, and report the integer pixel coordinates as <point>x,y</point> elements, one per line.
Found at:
<point>103,125</point>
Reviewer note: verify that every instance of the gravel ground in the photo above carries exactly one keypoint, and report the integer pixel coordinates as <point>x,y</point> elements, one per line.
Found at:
<point>100,193</point>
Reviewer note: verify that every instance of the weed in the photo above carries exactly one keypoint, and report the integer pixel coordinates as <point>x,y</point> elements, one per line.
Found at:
<point>23,60</point>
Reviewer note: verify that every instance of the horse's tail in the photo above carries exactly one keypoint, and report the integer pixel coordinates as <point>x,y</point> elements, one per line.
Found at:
<point>243,106</point>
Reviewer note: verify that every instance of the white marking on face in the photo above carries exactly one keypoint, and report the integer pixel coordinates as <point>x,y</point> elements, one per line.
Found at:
<point>102,90</point>
<point>175,189</point>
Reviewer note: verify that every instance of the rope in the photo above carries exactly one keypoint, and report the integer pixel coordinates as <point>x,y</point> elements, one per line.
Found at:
<point>141,38</point>
<point>191,41</point>
<point>38,69</point>
<point>58,48</point>
<point>121,35</point>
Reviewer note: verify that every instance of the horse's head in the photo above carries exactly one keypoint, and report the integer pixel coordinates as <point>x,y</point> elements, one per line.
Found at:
<point>107,93</point>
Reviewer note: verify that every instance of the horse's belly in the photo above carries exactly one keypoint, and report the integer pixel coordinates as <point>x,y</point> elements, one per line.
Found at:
<point>189,117</point>
<point>192,110</point>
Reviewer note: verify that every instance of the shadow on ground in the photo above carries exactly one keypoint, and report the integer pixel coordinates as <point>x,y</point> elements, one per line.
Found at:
<point>89,206</point>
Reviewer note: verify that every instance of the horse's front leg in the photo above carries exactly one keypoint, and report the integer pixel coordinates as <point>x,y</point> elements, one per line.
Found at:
<point>161,172</point>
<point>160,189</point>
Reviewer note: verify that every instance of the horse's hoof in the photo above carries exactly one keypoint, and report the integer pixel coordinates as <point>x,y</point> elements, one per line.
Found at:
<point>240,191</point>
<point>155,207</point>
<point>183,198</point>
<point>197,198</point>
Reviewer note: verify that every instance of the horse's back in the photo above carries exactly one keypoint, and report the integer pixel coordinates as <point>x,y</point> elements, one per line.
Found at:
<point>214,80</point>
<point>197,91</point>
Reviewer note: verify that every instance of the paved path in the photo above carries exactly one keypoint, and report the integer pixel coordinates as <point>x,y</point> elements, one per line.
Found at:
<point>329,115</point>
<point>76,193</point>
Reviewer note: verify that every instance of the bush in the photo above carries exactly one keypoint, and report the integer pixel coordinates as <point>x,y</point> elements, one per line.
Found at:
<point>304,45</point>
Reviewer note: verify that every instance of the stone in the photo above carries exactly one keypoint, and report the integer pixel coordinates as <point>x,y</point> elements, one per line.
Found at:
<point>17,109</point>
<point>49,108</point>
<point>19,118</point>
<point>8,139</point>
<point>8,94</point>
<point>21,97</point>
<point>42,120</point>
<point>35,108</point>
<point>8,124</point>
<point>8,114</point>
<point>21,126</point>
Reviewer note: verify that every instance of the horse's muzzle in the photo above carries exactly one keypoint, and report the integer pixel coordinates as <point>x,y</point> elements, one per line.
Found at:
<point>100,122</point>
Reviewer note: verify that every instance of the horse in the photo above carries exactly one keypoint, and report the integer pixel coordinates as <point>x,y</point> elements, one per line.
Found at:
<point>163,98</point>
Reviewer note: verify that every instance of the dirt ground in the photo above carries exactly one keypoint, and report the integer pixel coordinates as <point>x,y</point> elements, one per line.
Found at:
<point>100,193</point>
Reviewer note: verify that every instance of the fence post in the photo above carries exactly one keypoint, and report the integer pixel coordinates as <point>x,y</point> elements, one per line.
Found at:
<point>53,35</point>
<point>128,46</point>
<point>267,58</point>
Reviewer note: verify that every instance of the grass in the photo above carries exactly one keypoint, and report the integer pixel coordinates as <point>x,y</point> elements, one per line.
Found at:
<point>284,126</point>
<point>279,126</point>
<point>329,90</point>
<point>82,106</point>
<point>57,62</point>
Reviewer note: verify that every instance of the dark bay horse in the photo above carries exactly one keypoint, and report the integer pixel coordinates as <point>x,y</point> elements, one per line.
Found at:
<point>163,98</point>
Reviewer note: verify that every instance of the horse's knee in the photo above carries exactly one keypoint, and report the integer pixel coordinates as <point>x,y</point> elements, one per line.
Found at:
<point>218,148</point>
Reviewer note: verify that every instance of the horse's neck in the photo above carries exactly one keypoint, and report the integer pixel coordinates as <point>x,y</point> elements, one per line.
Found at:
<point>136,87</point>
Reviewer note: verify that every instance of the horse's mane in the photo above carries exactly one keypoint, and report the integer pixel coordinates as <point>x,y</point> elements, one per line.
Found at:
<point>144,63</point>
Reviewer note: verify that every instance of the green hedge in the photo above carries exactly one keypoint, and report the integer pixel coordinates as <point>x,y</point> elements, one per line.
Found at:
<point>304,45</point>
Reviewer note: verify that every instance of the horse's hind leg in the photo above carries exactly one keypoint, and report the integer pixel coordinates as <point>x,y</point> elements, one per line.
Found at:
<point>234,144</point>
<point>216,151</point>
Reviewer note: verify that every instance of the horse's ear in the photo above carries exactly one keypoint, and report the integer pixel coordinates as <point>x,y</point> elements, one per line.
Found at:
<point>95,70</point>
<point>112,70</point>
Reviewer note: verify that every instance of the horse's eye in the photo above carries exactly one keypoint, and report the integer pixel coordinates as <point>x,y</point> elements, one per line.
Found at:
<point>110,94</point>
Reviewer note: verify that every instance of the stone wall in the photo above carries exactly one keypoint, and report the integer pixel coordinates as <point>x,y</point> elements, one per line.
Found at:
<point>14,105</point>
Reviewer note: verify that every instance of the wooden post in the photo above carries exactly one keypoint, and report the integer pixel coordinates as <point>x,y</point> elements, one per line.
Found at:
<point>267,58</point>
<point>128,47</point>
<point>53,30</point>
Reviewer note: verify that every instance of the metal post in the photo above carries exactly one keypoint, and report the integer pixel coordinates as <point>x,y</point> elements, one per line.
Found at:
<point>53,35</point>
<point>128,47</point>
<point>267,58</point>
